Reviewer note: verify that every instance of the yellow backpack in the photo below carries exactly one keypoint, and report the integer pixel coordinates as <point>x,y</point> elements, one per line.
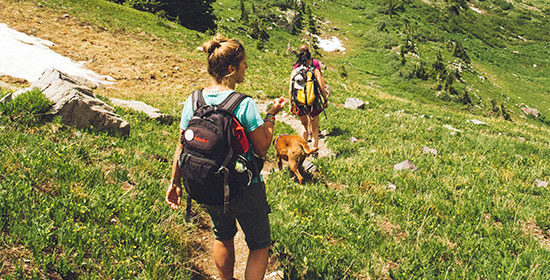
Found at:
<point>305,86</point>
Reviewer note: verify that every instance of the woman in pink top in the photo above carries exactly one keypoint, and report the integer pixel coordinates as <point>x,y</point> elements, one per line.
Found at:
<point>309,115</point>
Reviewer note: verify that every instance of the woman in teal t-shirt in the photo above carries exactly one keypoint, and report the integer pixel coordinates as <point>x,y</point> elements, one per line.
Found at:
<point>227,66</point>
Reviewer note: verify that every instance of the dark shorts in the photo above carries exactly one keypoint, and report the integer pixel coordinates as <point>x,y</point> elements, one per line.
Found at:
<point>251,211</point>
<point>313,110</point>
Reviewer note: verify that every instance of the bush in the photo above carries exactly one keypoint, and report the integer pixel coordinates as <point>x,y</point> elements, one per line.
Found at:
<point>504,5</point>
<point>377,39</point>
<point>193,14</point>
<point>28,109</point>
<point>458,50</point>
<point>419,71</point>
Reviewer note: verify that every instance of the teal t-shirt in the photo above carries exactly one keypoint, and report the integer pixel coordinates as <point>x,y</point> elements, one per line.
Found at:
<point>247,113</point>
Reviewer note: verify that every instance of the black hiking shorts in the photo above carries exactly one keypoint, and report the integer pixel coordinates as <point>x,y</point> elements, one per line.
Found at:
<point>251,210</point>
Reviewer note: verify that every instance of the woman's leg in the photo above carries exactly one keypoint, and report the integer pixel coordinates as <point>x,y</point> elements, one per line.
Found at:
<point>224,257</point>
<point>305,123</point>
<point>257,264</point>
<point>315,131</point>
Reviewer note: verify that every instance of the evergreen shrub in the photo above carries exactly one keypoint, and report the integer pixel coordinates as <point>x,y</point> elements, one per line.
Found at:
<point>28,109</point>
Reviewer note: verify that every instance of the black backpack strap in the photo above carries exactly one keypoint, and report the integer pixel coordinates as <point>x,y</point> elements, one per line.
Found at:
<point>229,104</point>
<point>197,99</point>
<point>232,101</point>
<point>225,170</point>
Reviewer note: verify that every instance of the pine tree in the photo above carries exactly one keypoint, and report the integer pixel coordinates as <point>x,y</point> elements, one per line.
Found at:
<point>244,13</point>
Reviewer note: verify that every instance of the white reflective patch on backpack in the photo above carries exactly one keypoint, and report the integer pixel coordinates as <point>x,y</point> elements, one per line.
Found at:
<point>189,135</point>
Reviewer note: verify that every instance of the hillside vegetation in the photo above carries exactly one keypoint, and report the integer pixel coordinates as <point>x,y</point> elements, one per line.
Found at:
<point>79,204</point>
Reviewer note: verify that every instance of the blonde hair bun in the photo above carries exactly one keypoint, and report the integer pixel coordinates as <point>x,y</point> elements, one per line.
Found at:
<point>223,52</point>
<point>216,42</point>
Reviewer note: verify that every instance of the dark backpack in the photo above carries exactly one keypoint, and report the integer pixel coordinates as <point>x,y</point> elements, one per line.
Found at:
<point>308,95</point>
<point>212,164</point>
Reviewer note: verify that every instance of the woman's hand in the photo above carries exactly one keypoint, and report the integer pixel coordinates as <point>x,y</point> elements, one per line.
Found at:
<point>278,105</point>
<point>173,196</point>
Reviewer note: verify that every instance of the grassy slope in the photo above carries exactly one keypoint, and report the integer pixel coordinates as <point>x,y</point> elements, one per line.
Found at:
<point>470,212</point>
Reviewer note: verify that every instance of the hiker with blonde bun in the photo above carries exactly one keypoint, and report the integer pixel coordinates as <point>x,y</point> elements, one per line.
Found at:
<point>227,66</point>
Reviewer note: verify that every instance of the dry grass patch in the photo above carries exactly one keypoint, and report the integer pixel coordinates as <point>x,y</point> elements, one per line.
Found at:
<point>532,229</point>
<point>393,230</point>
<point>14,258</point>
<point>141,63</point>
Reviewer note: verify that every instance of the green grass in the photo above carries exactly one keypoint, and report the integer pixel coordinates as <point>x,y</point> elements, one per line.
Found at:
<point>473,211</point>
<point>87,204</point>
<point>462,214</point>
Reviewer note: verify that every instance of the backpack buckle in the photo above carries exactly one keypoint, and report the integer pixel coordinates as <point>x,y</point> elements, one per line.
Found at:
<point>222,169</point>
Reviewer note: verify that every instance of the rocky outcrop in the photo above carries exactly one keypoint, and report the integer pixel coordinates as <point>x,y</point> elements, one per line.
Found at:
<point>354,103</point>
<point>76,104</point>
<point>288,19</point>
<point>405,165</point>
<point>150,111</point>
<point>531,111</point>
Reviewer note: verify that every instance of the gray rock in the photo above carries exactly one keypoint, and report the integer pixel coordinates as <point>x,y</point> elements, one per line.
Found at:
<point>531,111</point>
<point>474,121</point>
<point>76,104</point>
<point>427,150</point>
<point>452,128</point>
<point>344,86</point>
<point>404,166</point>
<point>541,183</point>
<point>139,106</point>
<point>354,103</point>
<point>309,167</point>
<point>288,19</point>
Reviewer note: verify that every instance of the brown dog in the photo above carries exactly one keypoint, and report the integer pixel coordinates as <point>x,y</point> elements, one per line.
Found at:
<point>293,149</point>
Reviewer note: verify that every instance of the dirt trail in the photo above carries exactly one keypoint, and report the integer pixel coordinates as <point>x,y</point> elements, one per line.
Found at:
<point>204,263</point>
<point>203,259</point>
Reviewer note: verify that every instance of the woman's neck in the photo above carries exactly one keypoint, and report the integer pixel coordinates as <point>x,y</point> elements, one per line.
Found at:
<point>215,87</point>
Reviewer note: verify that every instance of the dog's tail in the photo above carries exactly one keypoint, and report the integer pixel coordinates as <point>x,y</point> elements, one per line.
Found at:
<point>307,150</point>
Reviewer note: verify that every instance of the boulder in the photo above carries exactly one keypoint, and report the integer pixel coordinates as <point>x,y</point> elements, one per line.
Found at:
<point>531,111</point>
<point>309,167</point>
<point>288,19</point>
<point>147,109</point>
<point>540,183</point>
<point>76,104</point>
<point>354,103</point>
<point>404,166</point>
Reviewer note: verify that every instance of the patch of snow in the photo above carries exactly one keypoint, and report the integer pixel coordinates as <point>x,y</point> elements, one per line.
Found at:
<point>27,57</point>
<point>332,44</point>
